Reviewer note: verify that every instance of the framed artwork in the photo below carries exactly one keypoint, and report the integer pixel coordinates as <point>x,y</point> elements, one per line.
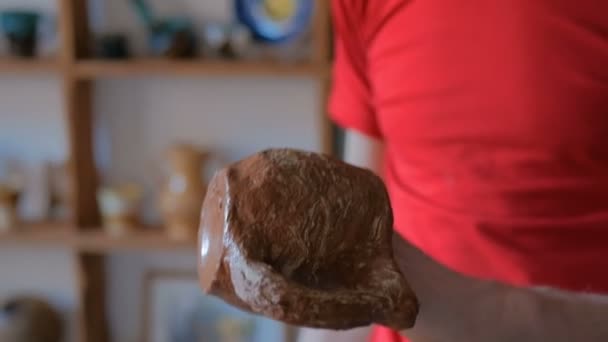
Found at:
<point>176,310</point>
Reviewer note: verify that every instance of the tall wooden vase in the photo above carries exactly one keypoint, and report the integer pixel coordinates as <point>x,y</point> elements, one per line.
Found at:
<point>183,191</point>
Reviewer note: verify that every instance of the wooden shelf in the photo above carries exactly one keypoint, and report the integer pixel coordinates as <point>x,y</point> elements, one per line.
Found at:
<point>90,69</point>
<point>78,76</point>
<point>146,240</point>
<point>25,65</point>
<point>93,240</point>
<point>47,234</point>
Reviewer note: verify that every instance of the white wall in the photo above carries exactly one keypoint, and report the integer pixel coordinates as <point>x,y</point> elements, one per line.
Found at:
<point>136,119</point>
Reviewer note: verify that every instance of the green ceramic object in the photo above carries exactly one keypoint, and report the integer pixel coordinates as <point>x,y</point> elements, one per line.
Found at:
<point>20,28</point>
<point>169,37</point>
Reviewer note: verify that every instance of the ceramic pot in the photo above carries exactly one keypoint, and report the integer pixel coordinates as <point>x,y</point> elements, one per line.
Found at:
<point>9,198</point>
<point>119,208</point>
<point>20,28</point>
<point>171,37</point>
<point>183,191</point>
<point>29,319</point>
<point>60,191</point>
<point>112,46</point>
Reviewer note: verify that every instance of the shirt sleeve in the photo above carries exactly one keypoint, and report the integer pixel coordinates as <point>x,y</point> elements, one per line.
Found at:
<point>350,101</point>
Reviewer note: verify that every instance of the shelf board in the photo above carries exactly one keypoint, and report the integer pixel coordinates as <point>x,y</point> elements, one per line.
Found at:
<point>96,240</point>
<point>48,234</point>
<point>93,240</point>
<point>89,69</point>
<point>28,65</point>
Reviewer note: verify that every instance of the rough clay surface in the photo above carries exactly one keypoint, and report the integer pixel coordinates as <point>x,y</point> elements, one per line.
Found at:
<point>306,239</point>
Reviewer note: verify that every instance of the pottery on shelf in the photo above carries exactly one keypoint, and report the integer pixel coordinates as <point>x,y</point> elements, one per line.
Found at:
<point>112,46</point>
<point>29,319</point>
<point>171,37</point>
<point>9,197</point>
<point>275,21</point>
<point>60,191</point>
<point>226,40</point>
<point>21,30</point>
<point>119,208</point>
<point>183,191</point>
<point>215,37</point>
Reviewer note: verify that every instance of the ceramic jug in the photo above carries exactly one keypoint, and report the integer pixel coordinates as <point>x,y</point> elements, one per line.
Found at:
<point>183,191</point>
<point>9,197</point>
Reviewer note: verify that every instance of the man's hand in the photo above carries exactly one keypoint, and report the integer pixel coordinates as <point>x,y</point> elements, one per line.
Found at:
<point>451,305</point>
<point>458,308</point>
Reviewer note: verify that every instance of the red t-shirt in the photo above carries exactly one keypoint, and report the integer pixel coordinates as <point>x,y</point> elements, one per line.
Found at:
<point>495,119</point>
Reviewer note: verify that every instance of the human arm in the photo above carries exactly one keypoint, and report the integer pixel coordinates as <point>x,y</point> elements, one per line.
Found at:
<point>458,308</point>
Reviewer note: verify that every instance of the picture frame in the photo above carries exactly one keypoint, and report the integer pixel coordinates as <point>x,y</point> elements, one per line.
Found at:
<point>176,310</point>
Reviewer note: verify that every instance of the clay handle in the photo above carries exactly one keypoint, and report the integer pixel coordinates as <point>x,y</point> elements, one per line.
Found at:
<point>277,296</point>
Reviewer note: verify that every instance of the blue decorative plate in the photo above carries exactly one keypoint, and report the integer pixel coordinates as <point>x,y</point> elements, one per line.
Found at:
<point>275,21</point>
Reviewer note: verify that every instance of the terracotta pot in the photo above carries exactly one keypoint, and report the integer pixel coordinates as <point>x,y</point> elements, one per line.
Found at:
<point>9,198</point>
<point>119,208</point>
<point>29,319</point>
<point>183,191</point>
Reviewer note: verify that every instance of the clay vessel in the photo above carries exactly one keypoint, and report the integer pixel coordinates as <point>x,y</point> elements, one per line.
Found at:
<point>60,191</point>
<point>119,208</point>
<point>183,191</point>
<point>9,199</point>
<point>29,319</point>
<point>305,239</point>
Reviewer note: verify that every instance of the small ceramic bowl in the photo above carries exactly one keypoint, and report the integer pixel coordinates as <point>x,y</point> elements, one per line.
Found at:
<point>119,208</point>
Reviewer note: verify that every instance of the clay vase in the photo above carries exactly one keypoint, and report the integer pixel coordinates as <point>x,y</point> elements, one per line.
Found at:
<point>29,319</point>
<point>60,191</point>
<point>305,239</point>
<point>119,208</point>
<point>183,191</point>
<point>9,199</point>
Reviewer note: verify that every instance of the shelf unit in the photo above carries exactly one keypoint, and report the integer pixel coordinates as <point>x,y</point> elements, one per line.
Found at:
<point>21,66</point>
<point>91,69</point>
<point>78,72</point>
<point>92,240</point>
<point>97,69</point>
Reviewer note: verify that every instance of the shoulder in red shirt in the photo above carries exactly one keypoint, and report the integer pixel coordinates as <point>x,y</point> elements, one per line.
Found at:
<point>495,119</point>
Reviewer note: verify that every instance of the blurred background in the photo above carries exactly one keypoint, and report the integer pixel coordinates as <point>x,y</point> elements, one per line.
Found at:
<point>113,116</point>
